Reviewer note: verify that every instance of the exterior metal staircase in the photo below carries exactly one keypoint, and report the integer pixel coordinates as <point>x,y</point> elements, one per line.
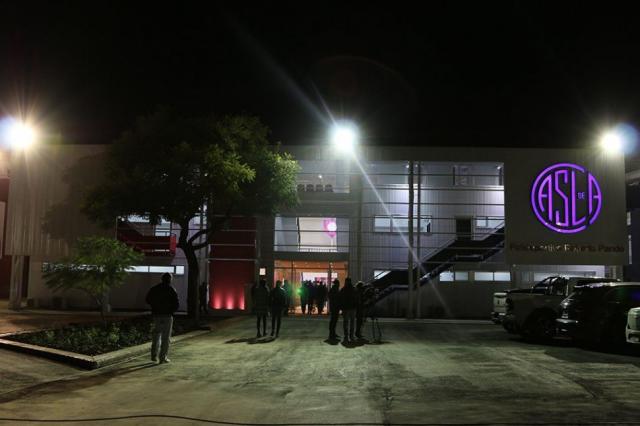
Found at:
<point>459,250</point>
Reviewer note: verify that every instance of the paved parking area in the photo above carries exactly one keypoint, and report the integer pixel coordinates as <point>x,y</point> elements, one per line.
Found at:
<point>424,372</point>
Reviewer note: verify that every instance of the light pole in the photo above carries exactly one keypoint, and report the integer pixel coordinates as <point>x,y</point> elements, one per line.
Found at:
<point>17,136</point>
<point>344,137</point>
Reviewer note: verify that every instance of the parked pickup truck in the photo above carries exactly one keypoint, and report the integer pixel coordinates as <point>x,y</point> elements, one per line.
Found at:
<point>532,312</point>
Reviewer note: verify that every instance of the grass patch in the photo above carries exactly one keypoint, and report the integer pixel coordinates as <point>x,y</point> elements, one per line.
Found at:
<point>96,339</point>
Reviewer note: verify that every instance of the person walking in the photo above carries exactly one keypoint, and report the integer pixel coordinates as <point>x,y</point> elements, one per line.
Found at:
<point>359,308</point>
<point>278,300</point>
<point>348,303</point>
<point>261,306</point>
<point>334,309</point>
<point>164,303</point>
<point>311,296</point>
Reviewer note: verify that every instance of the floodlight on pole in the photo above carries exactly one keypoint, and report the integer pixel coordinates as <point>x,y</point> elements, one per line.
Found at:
<point>20,135</point>
<point>612,142</point>
<point>344,137</point>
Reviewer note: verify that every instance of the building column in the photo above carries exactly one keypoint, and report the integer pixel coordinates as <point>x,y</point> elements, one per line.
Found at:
<point>15,284</point>
<point>410,253</point>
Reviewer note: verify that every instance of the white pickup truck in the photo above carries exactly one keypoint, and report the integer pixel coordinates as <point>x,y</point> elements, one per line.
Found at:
<point>532,312</point>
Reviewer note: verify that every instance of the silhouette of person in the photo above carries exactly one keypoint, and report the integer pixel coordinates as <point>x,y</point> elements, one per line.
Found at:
<point>334,308</point>
<point>287,291</point>
<point>278,300</point>
<point>204,300</point>
<point>164,303</point>
<point>303,296</point>
<point>261,306</point>
<point>348,303</point>
<point>321,297</point>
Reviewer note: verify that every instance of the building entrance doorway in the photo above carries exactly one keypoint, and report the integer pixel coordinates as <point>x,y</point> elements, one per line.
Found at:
<point>310,282</point>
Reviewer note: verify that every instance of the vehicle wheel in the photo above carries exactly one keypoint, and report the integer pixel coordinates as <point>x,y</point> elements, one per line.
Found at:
<point>542,327</point>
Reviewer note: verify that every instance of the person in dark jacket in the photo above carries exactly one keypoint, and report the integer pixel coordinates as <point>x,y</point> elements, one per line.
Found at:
<point>321,297</point>
<point>311,296</point>
<point>164,302</point>
<point>334,308</point>
<point>261,306</point>
<point>302,291</point>
<point>348,304</point>
<point>359,308</point>
<point>278,303</point>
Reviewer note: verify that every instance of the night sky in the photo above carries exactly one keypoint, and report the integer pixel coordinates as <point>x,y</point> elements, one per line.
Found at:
<point>447,73</point>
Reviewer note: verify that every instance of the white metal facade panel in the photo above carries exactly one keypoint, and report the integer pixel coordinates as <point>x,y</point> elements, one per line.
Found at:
<point>48,186</point>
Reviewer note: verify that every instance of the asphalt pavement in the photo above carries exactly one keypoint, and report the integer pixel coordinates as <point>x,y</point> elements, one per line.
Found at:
<point>423,372</point>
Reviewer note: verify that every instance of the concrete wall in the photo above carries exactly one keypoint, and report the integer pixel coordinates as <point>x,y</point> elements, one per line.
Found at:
<point>446,300</point>
<point>130,296</point>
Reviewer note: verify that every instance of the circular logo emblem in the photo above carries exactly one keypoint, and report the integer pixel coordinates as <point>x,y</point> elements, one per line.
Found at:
<point>566,198</point>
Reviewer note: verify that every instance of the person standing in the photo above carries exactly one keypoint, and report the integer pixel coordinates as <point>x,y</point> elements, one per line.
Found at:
<point>321,298</point>
<point>287,290</point>
<point>164,303</point>
<point>311,296</point>
<point>334,308</point>
<point>348,303</point>
<point>261,306</point>
<point>204,300</point>
<point>278,300</point>
<point>303,296</point>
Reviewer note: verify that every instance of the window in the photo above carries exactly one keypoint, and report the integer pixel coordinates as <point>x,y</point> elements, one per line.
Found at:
<point>461,276</point>
<point>461,175</point>
<point>146,269</point>
<point>492,276</point>
<point>489,222</point>
<point>446,276</point>
<point>628,218</point>
<point>483,276</point>
<point>401,224</point>
<point>161,269</point>
<point>137,219</point>
<point>630,252</point>
<point>377,274</point>
<point>502,276</point>
<point>382,224</point>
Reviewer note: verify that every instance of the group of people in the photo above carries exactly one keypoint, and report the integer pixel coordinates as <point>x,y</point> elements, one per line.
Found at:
<point>313,295</point>
<point>352,301</point>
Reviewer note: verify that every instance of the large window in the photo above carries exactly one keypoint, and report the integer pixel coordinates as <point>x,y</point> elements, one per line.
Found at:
<point>401,224</point>
<point>311,234</point>
<point>491,276</point>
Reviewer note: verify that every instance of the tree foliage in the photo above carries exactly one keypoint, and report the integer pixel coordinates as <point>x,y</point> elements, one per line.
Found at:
<point>168,167</point>
<point>96,265</point>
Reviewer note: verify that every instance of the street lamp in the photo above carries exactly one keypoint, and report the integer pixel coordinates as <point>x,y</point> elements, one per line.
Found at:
<point>18,135</point>
<point>344,136</point>
<point>620,139</point>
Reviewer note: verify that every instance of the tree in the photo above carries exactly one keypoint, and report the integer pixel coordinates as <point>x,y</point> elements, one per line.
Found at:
<point>96,265</point>
<point>169,167</point>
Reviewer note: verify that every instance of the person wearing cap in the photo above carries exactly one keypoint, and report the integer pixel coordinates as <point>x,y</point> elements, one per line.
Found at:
<point>164,303</point>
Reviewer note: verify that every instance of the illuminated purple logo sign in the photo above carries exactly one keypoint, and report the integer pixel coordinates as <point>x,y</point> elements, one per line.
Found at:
<point>566,198</point>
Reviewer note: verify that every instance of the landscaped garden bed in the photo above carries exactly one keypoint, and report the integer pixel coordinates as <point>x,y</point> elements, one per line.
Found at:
<point>98,338</point>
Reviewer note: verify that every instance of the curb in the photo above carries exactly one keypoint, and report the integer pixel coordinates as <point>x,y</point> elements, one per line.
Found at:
<point>91,362</point>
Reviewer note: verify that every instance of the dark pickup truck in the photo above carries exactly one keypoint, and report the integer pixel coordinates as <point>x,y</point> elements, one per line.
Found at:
<point>532,312</point>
